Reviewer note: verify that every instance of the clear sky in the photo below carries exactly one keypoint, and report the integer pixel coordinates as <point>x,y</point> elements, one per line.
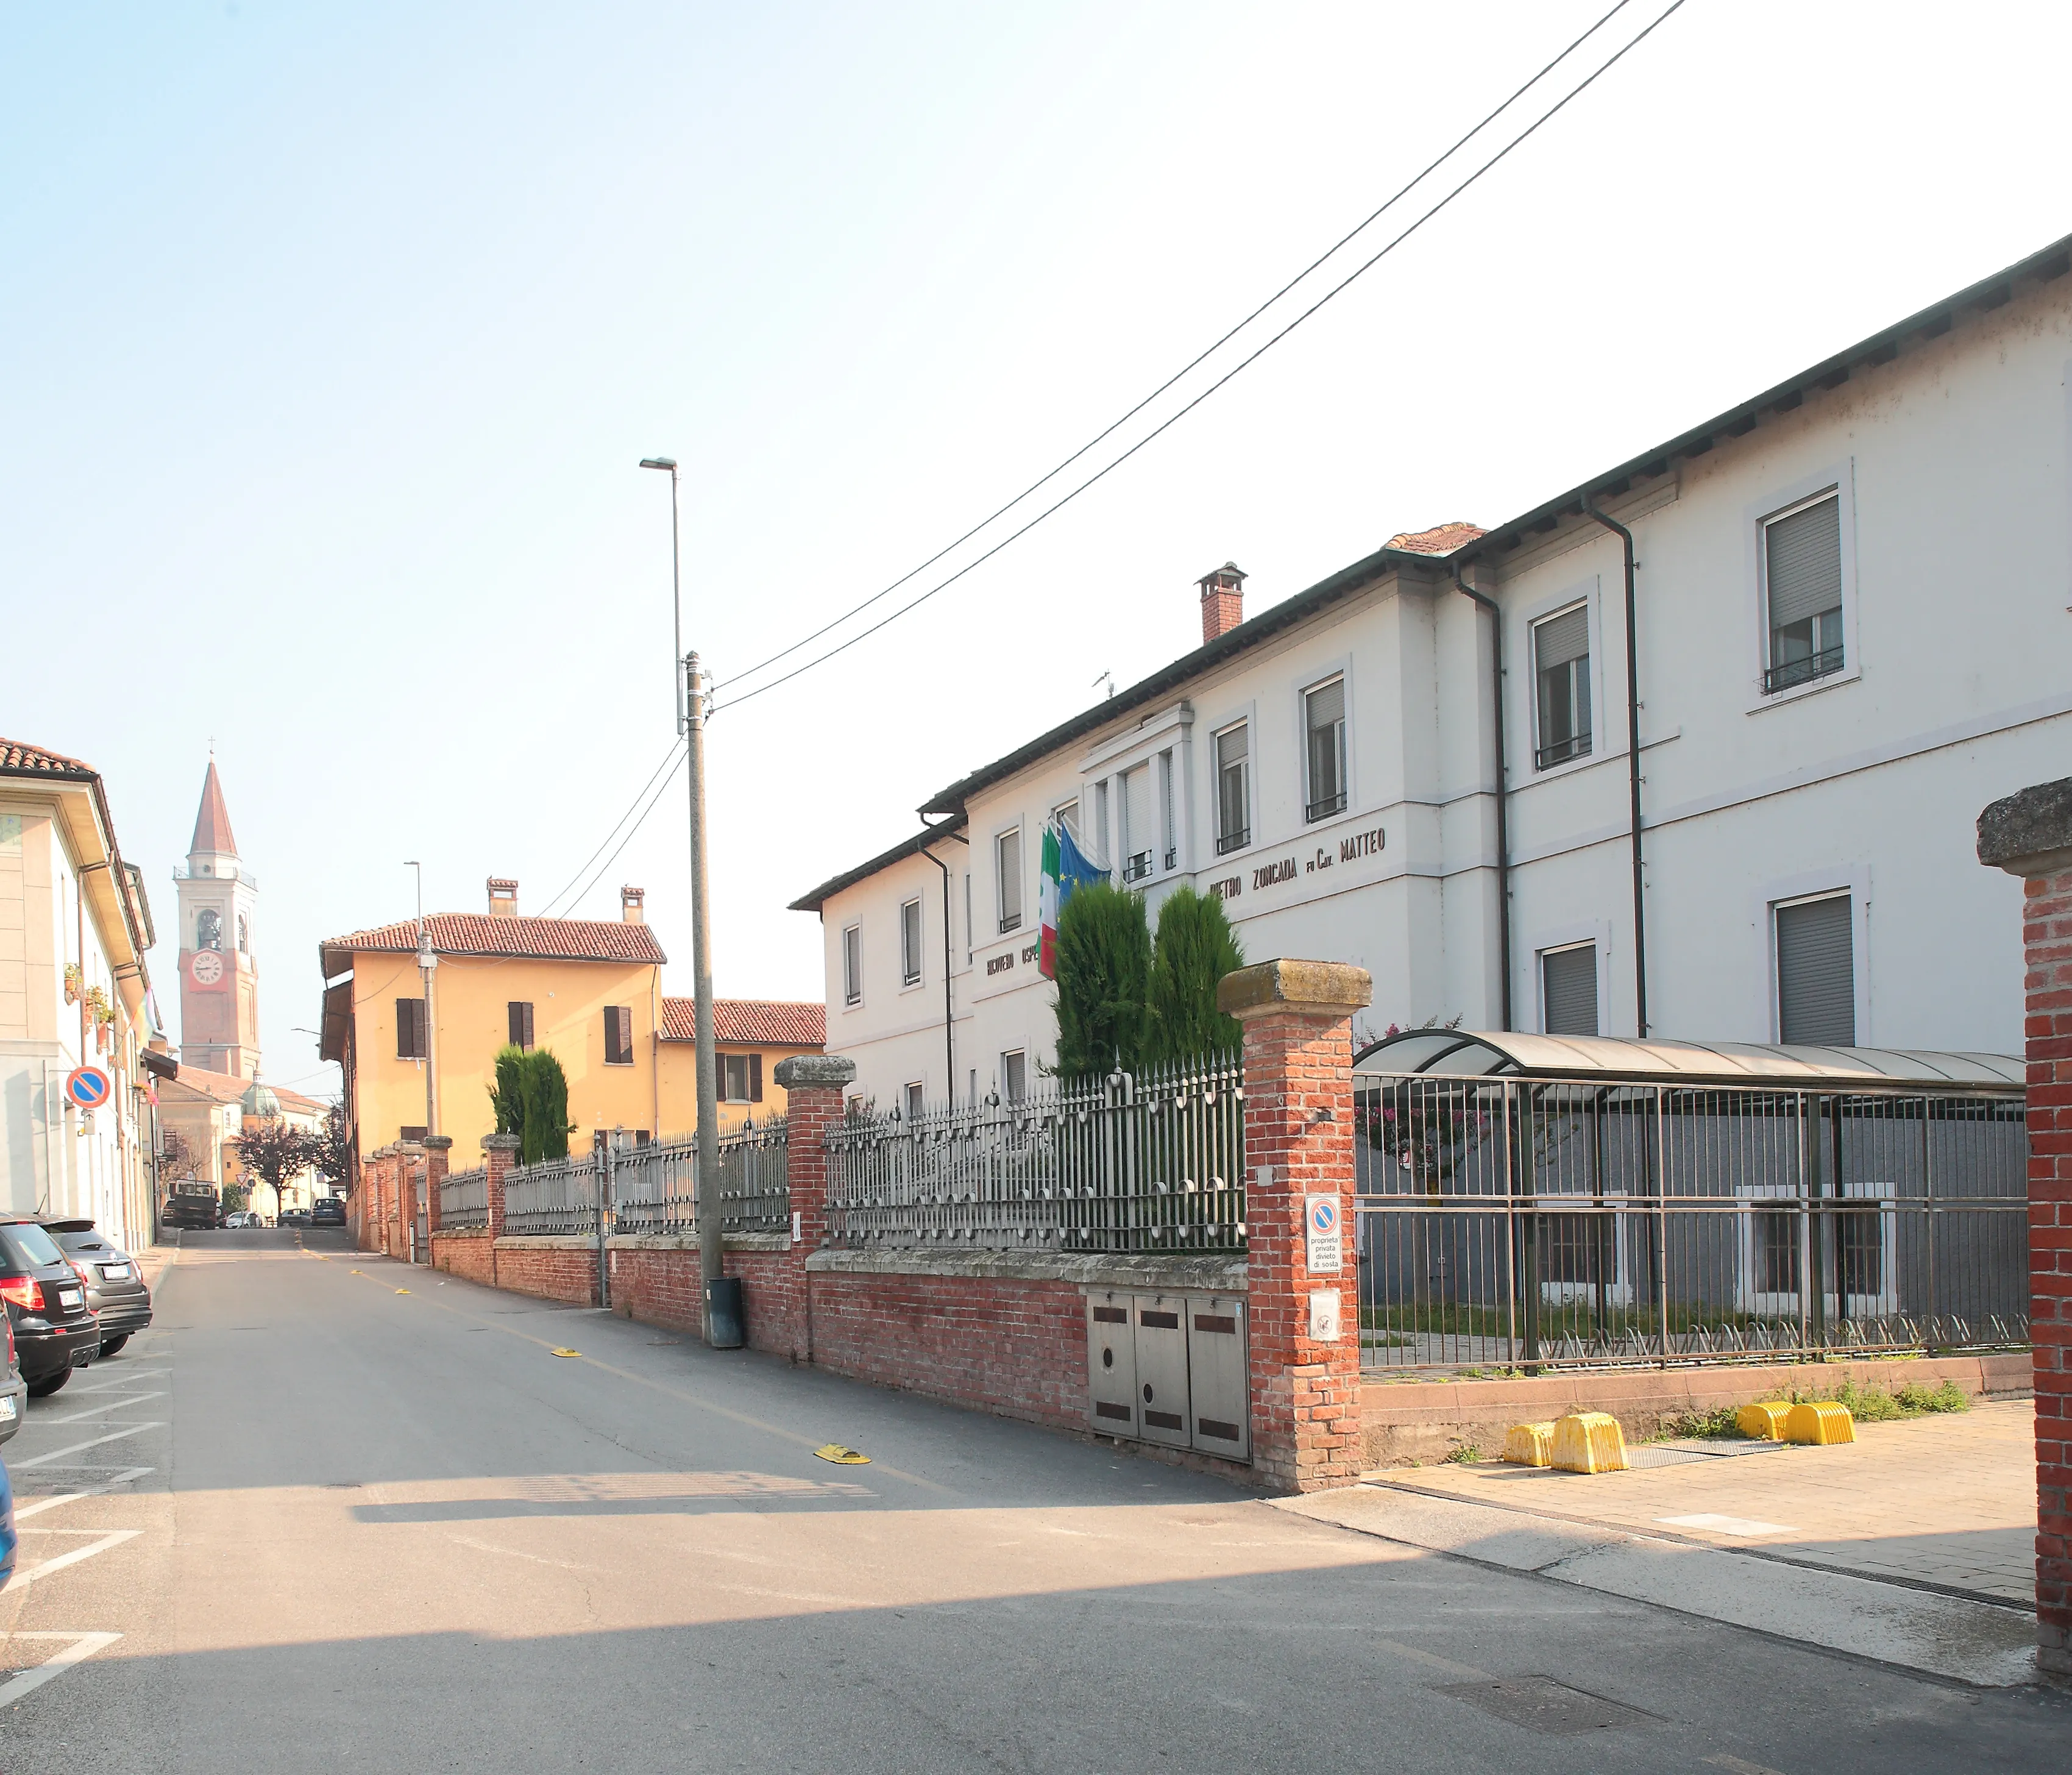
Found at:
<point>331,336</point>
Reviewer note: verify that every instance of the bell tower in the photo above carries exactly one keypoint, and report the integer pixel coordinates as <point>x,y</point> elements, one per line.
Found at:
<point>219,980</point>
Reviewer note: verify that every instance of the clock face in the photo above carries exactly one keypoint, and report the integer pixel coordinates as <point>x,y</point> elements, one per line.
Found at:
<point>205,967</point>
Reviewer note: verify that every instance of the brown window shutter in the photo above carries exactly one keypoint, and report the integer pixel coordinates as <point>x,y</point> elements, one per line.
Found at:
<point>755,1078</point>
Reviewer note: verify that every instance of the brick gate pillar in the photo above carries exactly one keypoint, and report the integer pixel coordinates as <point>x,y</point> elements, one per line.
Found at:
<point>1298,1144</point>
<point>410,1169</point>
<point>2029,834</point>
<point>813,1087</point>
<point>438,1151</point>
<point>500,1151</point>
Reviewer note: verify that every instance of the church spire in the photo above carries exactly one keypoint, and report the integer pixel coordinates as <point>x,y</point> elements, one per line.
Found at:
<point>211,833</point>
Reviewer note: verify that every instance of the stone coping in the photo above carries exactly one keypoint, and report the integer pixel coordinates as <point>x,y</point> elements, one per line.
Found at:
<point>621,1241</point>
<point>2029,832</point>
<point>1205,1274</point>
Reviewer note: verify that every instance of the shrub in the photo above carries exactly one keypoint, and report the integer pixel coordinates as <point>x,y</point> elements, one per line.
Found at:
<point>544,1133</point>
<point>1194,948</point>
<point>507,1096</point>
<point>1104,967</point>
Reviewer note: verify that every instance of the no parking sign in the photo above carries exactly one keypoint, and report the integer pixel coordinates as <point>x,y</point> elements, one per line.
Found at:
<point>87,1087</point>
<point>1325,1239</point>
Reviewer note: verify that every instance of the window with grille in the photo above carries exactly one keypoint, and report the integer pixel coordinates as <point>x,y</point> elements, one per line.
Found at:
<point>1816,974</point>
<point>852,965</point>
<point>618,1035</point>
<point>1168,828</point>
<point>410,1029</point>
<point>1324,724</point>
<point>1007,860</point>
<point>1561,672</point>
<point>1013,1076</point>
<point>519,1014</point>
<point>1233,789</point>
<point>1138,859</point>
<point>1776,1239</point>
<point>1569,990</point>
<point>1802,570</point>
<point>909,943</point>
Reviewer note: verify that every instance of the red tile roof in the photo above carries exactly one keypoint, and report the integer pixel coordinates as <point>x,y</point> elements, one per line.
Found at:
<point>227,1088</point>
<point>1442,541</point>
<point>757,1022</point>
<point>35,760</point>
<point>534,939</point>
<point>211,830</point>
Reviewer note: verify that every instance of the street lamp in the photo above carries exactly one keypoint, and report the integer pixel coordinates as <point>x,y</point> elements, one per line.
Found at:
<point>691,723</point>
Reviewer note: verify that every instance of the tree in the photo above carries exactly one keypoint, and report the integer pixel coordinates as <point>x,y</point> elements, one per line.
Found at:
<point>1104,967</point>
<point>1194,948</point>
<point>544,1130</point>
<point>331,1149</point>
<point>507,1096</point>
<point>176,1153</point>
<point>273,1150</point>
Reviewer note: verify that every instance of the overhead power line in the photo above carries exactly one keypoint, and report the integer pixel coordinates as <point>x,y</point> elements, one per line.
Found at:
<point>682,754</point>
<point>674,750</point>
<point>1516,141</point>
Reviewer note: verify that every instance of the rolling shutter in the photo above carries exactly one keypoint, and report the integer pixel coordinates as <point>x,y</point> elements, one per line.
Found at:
<point>1569,984</point>
<point>1816,974</point>
<point>1805,563</point>
<point>1562,638</point>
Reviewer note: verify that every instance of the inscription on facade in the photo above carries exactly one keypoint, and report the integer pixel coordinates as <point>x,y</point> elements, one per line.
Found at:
<point>1272,874</point>
<point>1000,964</point>
<point>1228,888</point>
<point>1362,844</point>
<point>1032,952</point>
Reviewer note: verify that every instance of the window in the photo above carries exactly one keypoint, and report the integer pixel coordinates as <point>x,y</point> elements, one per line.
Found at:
<point>740,1078</point>
<point>208,929</point>
<point>1066,817</point>
<point>519,1015</point>
<point>914,1105</point>
<point>1816,974</point>
<point>1561,672</point>
<point>243,935</point>
<point>1233,790</point>
<point>410,1132</point>
<point>1802,573</point>
<point>1007,864</point>
<point>618,1035</point>
<point>909,942</point>
<point>1569,990</point>
<point>1169,829</point>
<point>1137,857</point>
<point>852,965</point>
<point>1093,842</point>
<point>409,1029</point>
<point>971,931</point>
<point>1324,724</point>
<point>1013,1076</point>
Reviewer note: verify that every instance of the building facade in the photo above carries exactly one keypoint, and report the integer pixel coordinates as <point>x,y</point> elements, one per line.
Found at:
<point>209,1110</point>
<point>75,989</point>
<point>1850,628</point>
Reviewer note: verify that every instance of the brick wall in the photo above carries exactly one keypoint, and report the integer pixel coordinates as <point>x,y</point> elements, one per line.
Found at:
<point>470,1254</point>
<point>2029,834</point>
<point>548,1269</point>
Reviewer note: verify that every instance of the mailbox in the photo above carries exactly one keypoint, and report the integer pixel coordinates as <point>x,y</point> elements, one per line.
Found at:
<point>1170,1369</point>
<point>1161,1369</point>
<point>1111,1363</point>
<point>1218,1376</point>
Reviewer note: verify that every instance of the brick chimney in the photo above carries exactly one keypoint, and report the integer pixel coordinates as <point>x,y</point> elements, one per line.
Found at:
<point>503,898</point>
<point>1222,601</point>
<point>632,905</point>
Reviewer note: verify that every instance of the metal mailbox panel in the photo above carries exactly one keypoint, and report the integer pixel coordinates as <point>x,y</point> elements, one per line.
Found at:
<point>1161,1368</point>
<point>1112,1364</point>
<point>1220,1373</point>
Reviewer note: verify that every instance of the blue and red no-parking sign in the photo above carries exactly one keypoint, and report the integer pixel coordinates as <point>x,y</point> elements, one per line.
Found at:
<point>89,1087</point>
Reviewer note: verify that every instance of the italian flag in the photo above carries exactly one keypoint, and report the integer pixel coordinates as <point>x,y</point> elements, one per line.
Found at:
<point>1047,901</point>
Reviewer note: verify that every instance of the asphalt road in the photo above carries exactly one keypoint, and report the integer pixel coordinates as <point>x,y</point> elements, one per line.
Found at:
<point>341,1526</point>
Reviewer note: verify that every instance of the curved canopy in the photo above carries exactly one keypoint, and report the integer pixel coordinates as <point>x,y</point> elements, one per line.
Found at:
<point>1461,1053</point>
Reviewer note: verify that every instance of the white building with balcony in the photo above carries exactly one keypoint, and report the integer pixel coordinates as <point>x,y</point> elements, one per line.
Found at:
<point>1851,628</point>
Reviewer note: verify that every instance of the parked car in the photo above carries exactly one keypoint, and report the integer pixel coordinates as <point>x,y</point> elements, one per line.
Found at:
<point>329,1211</point>
<point>55,1330</point>
<point>115,1288</point>
<point>10,1541</point>
<point>13,1389</point>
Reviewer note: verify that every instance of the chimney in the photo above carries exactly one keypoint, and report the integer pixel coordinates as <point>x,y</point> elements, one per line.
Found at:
<point>503,898</point>
<point>1222,601</point>
<point>632,902</point>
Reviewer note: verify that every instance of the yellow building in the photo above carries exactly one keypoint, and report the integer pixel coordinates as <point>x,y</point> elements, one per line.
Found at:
<point>589,990</point>
<point>750,1037</point>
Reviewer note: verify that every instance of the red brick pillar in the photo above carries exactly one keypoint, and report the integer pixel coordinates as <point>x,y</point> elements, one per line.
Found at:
<point>438,1150</point>
<point>410,1168</point>
<point>1298,1151</point>
<point>499,1153</point>
<point>2030,835</point>
<point>813,1087</point>
<point>374,1224</point>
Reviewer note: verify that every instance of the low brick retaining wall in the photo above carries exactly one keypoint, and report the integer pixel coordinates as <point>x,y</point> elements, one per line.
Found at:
<point>1404,1422</point>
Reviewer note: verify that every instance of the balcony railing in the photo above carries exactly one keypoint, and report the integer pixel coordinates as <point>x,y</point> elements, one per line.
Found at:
<point>1325,808</point>
<point>1792,672</point>
<point>1228,841</point>
<point>1136,868</point>
<point>1560,751</point>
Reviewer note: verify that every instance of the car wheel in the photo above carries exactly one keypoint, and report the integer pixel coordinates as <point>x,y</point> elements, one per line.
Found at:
<point>110,1345</point>
<point>50,1384</point>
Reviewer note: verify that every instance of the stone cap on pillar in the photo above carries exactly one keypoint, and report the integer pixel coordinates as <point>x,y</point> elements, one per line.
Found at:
<point>1311,988</point>
<point>834,1071</point>
<point>2029,832</point>
<point>501,1143</point>
<point>436,1142</point>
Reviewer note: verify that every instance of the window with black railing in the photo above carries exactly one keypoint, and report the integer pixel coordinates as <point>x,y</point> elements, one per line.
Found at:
<point>1802,563</point>
<point>1233,789</point>
<point>1561,671</point>
<point>1136,868</point>
<point>1324,723</point>
<point>1798,664</point>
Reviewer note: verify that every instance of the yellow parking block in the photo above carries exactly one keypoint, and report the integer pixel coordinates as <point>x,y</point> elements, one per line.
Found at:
<point>1820,1423</point>
<point>1529,1444</point>
<point>1763,1421</point>
<point>1589,1442</point>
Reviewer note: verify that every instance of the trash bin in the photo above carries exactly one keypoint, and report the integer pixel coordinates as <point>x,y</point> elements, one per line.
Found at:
<point>723,1315</point>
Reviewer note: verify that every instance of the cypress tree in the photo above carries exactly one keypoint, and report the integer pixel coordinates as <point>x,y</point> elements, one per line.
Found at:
<point>1195,948</point>
<point>507,1096</point>
<point>1104,965</point>
<point>544,1133</point>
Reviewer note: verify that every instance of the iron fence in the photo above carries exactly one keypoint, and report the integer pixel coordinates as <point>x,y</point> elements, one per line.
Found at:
<point>464,1199</point>
<point>1506,1222</point>
<point>557,1195</point>
<point>1149,1163</point>
<point>654,1188</point>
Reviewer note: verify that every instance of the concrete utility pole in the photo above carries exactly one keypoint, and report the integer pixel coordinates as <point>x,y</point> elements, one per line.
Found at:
<point>427,962</point>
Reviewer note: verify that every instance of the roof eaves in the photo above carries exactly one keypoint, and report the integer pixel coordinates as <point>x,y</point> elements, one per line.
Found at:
<point>849,878</point>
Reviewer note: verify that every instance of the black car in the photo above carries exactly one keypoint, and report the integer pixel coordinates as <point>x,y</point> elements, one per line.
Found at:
<point>13,1389</point>
<point>114,1288</point>
<point>55,1330</point>
<point>328,1211</point>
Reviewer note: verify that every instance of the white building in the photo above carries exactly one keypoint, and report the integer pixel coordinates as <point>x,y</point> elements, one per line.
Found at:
<point>1854,630</point>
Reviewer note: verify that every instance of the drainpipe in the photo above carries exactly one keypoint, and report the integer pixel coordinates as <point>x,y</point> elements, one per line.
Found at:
<point>1502,793</point>
<point>1632,771</point>
<point>949,1030</point>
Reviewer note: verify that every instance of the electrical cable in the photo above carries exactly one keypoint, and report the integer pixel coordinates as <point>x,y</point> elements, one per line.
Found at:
<point>1208,351</point>
<point>653,801</point>
<point>547,911</point>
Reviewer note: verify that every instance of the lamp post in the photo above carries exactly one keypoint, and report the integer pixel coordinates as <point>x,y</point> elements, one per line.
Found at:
<point>427,962</point>
<point>691,723</point>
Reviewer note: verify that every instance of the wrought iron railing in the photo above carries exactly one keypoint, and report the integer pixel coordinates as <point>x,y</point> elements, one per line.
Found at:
<point>654,1188</point>
<point>1149,1163</point>
<point>1560,751</point>
<point>559,1195</point>
<point>1535,1222</point>
<point>1787,672</point>
<point>464,1199</point>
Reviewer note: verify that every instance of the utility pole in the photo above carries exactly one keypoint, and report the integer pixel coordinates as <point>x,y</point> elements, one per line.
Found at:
<point>427,962</point>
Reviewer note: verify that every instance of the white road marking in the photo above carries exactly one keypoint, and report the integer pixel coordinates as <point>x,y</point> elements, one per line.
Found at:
<point>115,1404</point>
<point>1726,1525</point>
<point>58,1453</point>
<point>124,1380</point>
<point>1735,1766</point>
<point>83,1647</point>
<point>114,1538</point>
<point>43,1504</point>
